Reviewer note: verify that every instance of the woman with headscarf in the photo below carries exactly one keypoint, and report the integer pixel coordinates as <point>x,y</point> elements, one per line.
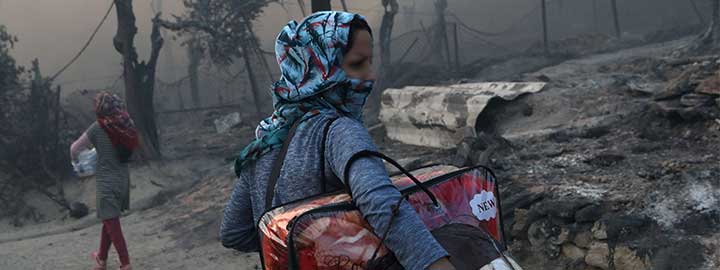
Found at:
<point>326,74</point>
<point>114,137</point>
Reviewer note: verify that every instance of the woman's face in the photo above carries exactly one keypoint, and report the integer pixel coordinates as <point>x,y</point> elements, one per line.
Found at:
<point>357,62</point>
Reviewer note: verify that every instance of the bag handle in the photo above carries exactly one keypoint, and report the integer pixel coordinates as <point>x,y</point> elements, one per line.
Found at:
<point>366,153</point>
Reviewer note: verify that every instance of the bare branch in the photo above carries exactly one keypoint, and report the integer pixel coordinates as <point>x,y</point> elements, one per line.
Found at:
<point>156,42</point>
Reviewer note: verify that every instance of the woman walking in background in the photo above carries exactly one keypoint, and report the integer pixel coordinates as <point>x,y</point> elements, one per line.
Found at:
<point>114,137</point>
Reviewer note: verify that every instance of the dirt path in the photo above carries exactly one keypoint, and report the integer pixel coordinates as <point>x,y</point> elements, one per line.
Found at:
<point>158,238</point>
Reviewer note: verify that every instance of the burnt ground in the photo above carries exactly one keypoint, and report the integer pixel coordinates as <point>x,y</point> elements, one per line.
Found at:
<point>600,145</point>
<point>606,140</point>
<point>591,154</point>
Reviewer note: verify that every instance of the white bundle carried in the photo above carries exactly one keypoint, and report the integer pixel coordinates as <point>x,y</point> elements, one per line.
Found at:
<point>86,163</point>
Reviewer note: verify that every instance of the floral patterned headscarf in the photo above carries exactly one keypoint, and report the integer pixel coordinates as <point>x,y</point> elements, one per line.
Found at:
<point>310,56</point>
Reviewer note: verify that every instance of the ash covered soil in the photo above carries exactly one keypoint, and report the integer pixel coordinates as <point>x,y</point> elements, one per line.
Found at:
<point>614,165</point>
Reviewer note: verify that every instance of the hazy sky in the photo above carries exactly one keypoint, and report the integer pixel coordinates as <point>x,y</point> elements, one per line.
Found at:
<point>54,30</point>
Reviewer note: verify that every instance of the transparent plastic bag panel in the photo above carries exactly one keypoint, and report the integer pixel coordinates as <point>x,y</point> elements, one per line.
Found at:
<point>335,240</point>
<point>273,227</point>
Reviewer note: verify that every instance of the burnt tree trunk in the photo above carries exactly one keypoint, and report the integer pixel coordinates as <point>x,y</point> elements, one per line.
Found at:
<point>386,26</point>
<point>245,47</point>
<point>195,56</point>
<point>259,52</point>
<point>344,5</point>
<point>616,19</point>
<point>39,145</point>
<point>139,77</point>
<point>38,101</point>
<point>301,3</point>
<point>596,21</point>
<point>440,31</point>
<point>544,27</point>
<point>320,5</point>
<point>714,26</point>
<point>56,153</point>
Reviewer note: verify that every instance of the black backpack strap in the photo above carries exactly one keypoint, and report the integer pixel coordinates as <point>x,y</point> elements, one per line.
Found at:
<point>325,181</point>
<point>277,166</point>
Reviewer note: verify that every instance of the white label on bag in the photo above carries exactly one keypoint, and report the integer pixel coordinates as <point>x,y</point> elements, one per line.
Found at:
<point>484,206</point>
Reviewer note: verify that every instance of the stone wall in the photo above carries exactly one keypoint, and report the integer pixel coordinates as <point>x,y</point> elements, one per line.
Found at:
<point>582,233</point>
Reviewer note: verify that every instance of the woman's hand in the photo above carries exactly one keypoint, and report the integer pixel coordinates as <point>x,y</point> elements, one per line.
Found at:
<point>441,264</point>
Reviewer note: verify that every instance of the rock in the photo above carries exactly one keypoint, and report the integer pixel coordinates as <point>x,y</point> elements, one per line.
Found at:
<point>605,159</point>
<point>529,156</point>
<point>710,86</point>
<point>595,132</point>
<point>583,239</point>
<point>700,113</point>
<point>598,255</point>
<point>539,233</point>
<point>599,230</point>
<point>520,222</point>
<point>621,226</point>
<point>543,78</point>
<point>682,254</point>
<point>561,208</point>
<point>588,213</point>
<point>645,147</point>
<point>469,149</point>
<point>695,100</point>
<point>573,252</point>
<point>561,238</point>
<point>672,166</point>
<point>553,152</point>
<point>522,199</point>
<point>560,137</point>
<point>626,259</point>
<point>78,210</point>
<point>647,175</point>
<point>678,86</point>
<point>675,110</point>
<point>225,123</point>
<point>462,155</point>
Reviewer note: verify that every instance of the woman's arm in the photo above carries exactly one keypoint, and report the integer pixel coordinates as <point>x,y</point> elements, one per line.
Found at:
<point>375,195</point>
<point>80,144</point>
<point>237,230</point>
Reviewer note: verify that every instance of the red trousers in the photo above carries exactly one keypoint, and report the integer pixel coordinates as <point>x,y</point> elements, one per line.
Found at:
<point>112,233</point>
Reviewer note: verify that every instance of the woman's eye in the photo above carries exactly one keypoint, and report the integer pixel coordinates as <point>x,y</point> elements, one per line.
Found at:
<point>356,64</point>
